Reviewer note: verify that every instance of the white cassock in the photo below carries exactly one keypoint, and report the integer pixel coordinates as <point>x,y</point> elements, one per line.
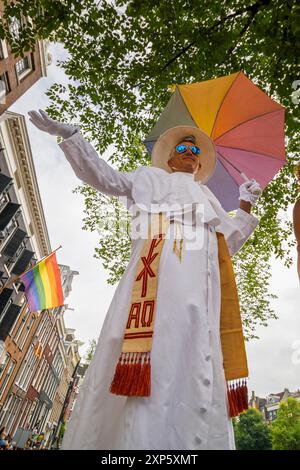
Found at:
<point>188,408</point>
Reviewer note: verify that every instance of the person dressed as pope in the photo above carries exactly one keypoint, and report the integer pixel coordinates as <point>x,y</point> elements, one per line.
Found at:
<point>172,338</point>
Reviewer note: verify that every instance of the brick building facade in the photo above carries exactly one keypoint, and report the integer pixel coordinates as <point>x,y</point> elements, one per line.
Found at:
<point>37,355</point>
<point>18,74</point>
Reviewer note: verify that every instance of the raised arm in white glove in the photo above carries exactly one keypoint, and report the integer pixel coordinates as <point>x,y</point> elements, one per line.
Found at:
<point>83,158</point>
<point>250,191</point>
<point>45,123</point>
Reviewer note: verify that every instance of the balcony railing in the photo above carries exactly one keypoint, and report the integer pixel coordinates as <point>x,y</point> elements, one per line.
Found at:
<point>6,216</point>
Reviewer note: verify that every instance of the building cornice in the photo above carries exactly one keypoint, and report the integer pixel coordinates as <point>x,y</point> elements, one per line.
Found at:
<point>16,126</point>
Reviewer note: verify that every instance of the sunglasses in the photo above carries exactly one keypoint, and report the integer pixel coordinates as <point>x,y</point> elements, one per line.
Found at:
<point>183,148</point>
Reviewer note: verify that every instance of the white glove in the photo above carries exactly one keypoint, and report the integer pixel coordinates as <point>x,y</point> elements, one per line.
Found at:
<point>250,191</point>
<point>43,122</point>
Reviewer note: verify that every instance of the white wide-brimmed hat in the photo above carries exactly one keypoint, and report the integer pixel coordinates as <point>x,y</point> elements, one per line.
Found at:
<point>166,142</point>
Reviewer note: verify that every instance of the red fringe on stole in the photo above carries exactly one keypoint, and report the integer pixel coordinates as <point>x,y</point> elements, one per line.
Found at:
<point>237,392</point>
<point>132,375</point>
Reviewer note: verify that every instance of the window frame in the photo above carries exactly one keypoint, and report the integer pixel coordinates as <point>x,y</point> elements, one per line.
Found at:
<point>23,72</point>
<point>10,369</point>
<point>27,331</point>
<point>4,78</point>
<point>5,363</point>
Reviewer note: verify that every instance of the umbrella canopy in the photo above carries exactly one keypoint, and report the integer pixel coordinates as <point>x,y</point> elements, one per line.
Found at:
<point>246,125</point>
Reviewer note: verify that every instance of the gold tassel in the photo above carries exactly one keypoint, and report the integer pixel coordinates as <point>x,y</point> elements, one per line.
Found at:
<point>180,249</point>
<point>179,252</point>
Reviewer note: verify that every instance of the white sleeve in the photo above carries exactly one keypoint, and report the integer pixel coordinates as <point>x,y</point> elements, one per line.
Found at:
<point>236,229</point>
<point>93,170</point>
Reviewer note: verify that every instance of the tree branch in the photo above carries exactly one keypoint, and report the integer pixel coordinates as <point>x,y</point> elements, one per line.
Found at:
<point>251,8</point>
<point>243,30</point>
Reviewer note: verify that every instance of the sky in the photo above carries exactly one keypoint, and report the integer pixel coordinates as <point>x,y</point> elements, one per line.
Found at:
<point>273,360</point>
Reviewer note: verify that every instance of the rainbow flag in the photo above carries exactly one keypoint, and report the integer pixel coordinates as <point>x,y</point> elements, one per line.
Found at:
<point>42,283</point>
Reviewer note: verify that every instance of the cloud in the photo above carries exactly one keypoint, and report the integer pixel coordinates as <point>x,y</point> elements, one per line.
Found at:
<point>270,359</point>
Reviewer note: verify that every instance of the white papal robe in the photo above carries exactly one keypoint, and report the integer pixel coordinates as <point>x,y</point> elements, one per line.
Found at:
<point>188,408</point>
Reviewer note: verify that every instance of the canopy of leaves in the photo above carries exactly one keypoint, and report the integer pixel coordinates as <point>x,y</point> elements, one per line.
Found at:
<point>122,58</point>
<point>285,430</point>
<point>251,432</point>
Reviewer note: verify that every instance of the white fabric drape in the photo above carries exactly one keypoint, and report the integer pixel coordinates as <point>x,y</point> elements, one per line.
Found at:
<point>188,406</point>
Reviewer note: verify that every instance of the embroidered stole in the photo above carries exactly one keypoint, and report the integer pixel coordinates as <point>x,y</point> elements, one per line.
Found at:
<point>133,371</point>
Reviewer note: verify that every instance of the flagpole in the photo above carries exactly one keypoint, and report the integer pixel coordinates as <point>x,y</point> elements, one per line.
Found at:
<point>19,275</point>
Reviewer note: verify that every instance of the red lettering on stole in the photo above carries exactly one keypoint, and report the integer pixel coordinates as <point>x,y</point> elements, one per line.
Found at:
<point>147,271</point>
<point>146,317</point>
<point>147,303</point>
<point>134,314</point>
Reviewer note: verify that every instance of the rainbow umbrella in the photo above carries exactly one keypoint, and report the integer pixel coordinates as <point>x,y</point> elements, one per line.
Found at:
<point>246,125</point>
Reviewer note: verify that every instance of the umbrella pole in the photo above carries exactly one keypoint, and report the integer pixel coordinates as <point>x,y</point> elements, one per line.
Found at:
<point>245,177</point>
<point>256,191</point>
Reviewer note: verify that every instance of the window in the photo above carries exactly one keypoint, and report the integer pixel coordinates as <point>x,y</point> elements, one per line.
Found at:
<point>41,377</point>
<point>10,227</point>
<point>27,369</point>
<point>57,363</point>
<point>3,313</point>
<point>3,366</point>
<point>59,371</point>
<point>14,259</point>
<point>21,303</point>
<point>4,199</point>
<point>22,419</point>
<point>21,326</point>
<point>5,409</point>
<point>27,331</point>
<point>53,390</point>
<point>24,66</point>
<point>30,417</point>
<point>9,234</point>
<point>22,370</point>
<point>53,340</point>
<point>42,323</point>
<point>3,49</point>
<point>47,383</point>
<point>43,415</point>
<point>7,376</point>
<point>13,412</point>
<point>46,333</point>
<point>31,371</point>
<point>35,415</point>
<point>14,27</point>
<point>38,373</point>
<point>4,84</point>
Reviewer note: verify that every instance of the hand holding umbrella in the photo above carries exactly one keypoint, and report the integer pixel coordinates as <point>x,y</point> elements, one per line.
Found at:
<point>249,192</point>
